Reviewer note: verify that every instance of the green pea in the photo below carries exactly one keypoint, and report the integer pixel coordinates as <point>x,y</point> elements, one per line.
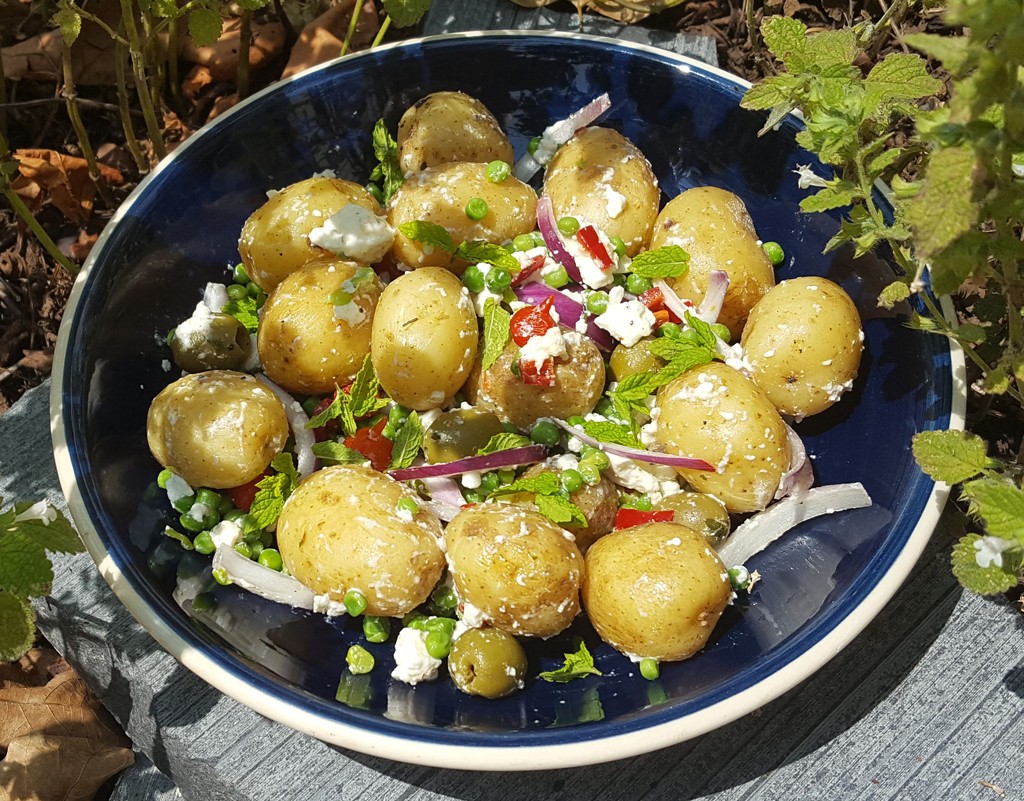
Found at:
<point>641,502</point>
<point>184,504</point>
<point>472,496</point>
<point>590,473</point>
<point>544,432</point>
<point>415,620</point>
<point>267,539</point>
<point>376,629</point>
<point>163,477</point>
<point>444,596</point>
<point>489,482</point>
<point>355,602</point>
<point>774,252</point>
<point>595,457</point>
<point>438,644</point>
<point>376,191</point>
<point>532,145</point>
<point>203,543</point>
<point>271,557</point>
<point>571,480</point>
<point>209,497</point>
<point>507,475</point>
<point>476,208</point>
<point>670,330</point>
<point>722,332</point>
<point>498,279</point>
<point>407,505</point>
<point>243,548</point>
<point>637,284</point>
<point>618,245</point>
<point>689,335</point>
<point>575,420</point>
<point>204,602</point>
<point>196,519</point>
<point>568,226</point>
<point>240,275</point>
<point>397,415</point>
<point>389,431</point>
<point>237,292</point>
<point>557,278</point>
<point>359,660</point>
<point>523,242</point>
<point>739,577</point>
<point>597,302</point>
<point>339,297</point>
<point>649,668</point>
<point>253,290</point>
<point>498,171</point>
<point>220,575</point>
<point>473,279</point>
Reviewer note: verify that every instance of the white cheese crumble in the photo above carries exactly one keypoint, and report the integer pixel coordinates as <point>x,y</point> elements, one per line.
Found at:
<point>656,481</point>
<point>472,616</point>
<point>225,533</point>
<point>538,349</point>
<point>413,663</point>
<point>177,488</point>
<point>324,605</point>
<point>356,233</point>
<point>628,321</point>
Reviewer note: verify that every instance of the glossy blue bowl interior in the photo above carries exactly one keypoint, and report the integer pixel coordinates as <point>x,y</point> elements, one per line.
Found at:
<point>181,230</point>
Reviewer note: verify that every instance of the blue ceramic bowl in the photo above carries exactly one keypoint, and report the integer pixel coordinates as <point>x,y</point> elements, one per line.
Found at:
<point>822,583</point>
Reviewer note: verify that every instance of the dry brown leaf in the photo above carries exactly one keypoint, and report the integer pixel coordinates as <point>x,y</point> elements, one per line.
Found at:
<point>80,250</point>
<point>197,79</point>
<point>222,56</point>
<point>222,104</point>
<point>63,180</point>
<point>607,8</point>
<point>37,360</point>
<point>321,39</point>
<point>45,767</point>
<point>34,669</point>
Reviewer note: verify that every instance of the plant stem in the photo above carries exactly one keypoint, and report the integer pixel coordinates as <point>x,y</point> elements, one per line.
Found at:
<point>244,40</point>
<point>130,138</point>
<point>88,154</point>
<point>141,82</point>
<point>3,101</point>
<point>99,22</point>
<point>173,76</point>
<point>893,14</point>
<point>383,30</point>
<point>353,21</point>
<point>752,34</point>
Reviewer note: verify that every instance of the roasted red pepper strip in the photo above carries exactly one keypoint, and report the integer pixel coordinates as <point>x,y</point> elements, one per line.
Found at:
<point>372,443</point>
<point>587,236</point>
<point>532,321</point>
<point>627,518</point>
<point>653,299</point>
<point>538,377</point>
<point>528,270</point>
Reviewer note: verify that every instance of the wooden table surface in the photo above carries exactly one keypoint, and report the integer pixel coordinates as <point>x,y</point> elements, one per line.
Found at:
<point>927,703</point>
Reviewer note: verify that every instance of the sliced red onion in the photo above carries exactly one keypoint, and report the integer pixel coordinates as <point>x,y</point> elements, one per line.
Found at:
<point>262,581</point>
<point>714,296</point>
<point>549,230</point>
<point>445,497</point>
<point>758,532</point>
<point>653,457</point>
<point>215,296</point>
<point>513,457</point>
<point>800,477</point>
<point>557,134</point>
<point>679,307</point>
<point>569,311</point>
<point>305,461</point>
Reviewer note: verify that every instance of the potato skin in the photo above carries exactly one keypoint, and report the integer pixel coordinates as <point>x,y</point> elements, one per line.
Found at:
<point>449,126</point>
<point>579,382</point>
<point>518,568</point>
<point>340,531</point>
<point>216,429</point>
<point>601,177</point>
<point>655,590</point>
<point>302,345</point>
<point>715,413</point>
<point>714,227</point>
<point>804,342</point>
<point>440,194</point>
<point>275,239</point>
<point>424,339</point>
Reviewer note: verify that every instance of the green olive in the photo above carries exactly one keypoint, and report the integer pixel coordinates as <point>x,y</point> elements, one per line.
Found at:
<point>222,343</point>
<point>487,662</point>
<point>705,514</point>
<point>636,359</point>
<point>459,433</point>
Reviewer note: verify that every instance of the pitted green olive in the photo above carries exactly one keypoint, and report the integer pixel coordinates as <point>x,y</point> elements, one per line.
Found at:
<point>220,343</point>
<point>487,662</point>
<point>705,514</point>
<point>636,359</point>
<point>459,433</point>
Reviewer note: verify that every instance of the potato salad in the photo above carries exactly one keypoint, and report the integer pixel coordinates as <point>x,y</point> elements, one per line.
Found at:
<point>475,399</point>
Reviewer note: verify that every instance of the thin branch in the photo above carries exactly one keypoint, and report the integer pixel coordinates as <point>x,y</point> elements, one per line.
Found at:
<point>244,42</point>
<point>71,102</point>
<point>83,103</point>
<point>353,21</point>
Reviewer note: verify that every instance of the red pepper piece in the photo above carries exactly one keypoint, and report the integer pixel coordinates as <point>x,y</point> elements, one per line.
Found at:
<point>653,299</point>
<point>627,518</point>
<point>372,443</point>
<point>544,376</point>
<point>242,496</point>
<point>532,321</point>
<point>534,265</point>
<point>587,237</point>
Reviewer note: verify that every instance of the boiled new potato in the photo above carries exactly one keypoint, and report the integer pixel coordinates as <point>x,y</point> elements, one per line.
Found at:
<point>424,338</point>
<point>804,341</point>
<point>655,590</point>
<point>599,504</point>
<point>715,413</point>
<point>601,177</point>
<point>714,227</point>
<point>449,126</point>
<point>343,529</point>
<point>216,429</point>
<point>275,238</point>
<point>439,195</point>
<point>521,571</point>
<point>579,382</point>
<point>306,343</point>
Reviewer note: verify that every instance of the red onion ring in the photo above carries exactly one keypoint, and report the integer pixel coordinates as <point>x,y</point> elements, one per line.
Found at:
<point>679,307</point>
<point>262,581</point>
<point>653,457</point>
<point>305,461</point>
<point>800,477</point>
<point>714,296</point>
<point>549,230</point>
<point>445,497</point>
<point>513,457</point>
<point>569,311</point>
<point>558,134</point>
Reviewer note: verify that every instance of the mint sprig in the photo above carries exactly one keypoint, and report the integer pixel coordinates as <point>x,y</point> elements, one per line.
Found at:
<point>551,500</point>
<point>272,492</point>
<point>577,665</point>
<point>496,332</point>
<point>503,442</point>
<point>388,169</point>
<point>407,443</point>
<point>670,261</point>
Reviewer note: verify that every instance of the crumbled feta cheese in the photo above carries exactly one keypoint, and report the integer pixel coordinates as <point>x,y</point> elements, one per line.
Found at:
<point>656,481</point>
<point>471,615</point>
<point>538,349</point>
<point>225,533</point>
<point>177,488</point>
<point>356,233</point>
<point>413,663</point>
<point>351,313</point>
<point>471,479</point>
<point>628,322</point>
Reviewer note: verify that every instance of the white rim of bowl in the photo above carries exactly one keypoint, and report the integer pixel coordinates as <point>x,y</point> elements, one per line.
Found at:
<point>419,751</point>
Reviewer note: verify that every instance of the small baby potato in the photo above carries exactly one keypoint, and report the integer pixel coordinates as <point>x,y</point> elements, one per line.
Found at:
<point>579,382</point>
<point>518,568</point>
<point>655,590</point>
<point>601,177</point>
<point>449,126</point>
<point>705,514</point>
<point>216,429</point>
<point>425,338</point>
<point>342,530</point>
<point>715,413</point>
<point>275,238</point>
<point>713,226</point>
<point>440,194</point>
<point>804,342</point>
<point>305,343</point>
<point>599,504</point>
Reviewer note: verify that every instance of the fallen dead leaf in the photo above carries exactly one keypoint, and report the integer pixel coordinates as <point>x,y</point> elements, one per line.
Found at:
<point>197,79</point>
<point>63,180</point>
<point>321,39</point>
<point>221,58</point>
<point>607,8</point>
<point>80,250</point>
<point>34,669</point>
<point>222,104</point>
<point>45,767</point>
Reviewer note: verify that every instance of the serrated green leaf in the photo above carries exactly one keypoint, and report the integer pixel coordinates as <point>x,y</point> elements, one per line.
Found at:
<point>486,253</point>
<point>883,161</point>
<point>70,23</point>
<point>946,208</point>
<point>428,233</point>
<point>899,76</point>
<point>363,394</point>
<point>950,456</point>
<point>332,452</point>
<point>894,293</point>
<point>953,52</point>
<point>165,9</point>
<point>404,13</point>
<point>777,90</point>
<point>832,48</point>
<point>496,332</point>
<point>245,311</point>
<point>541,484</point>
<point>25,569</point>
<point>838,194</point>
<point>560,510</point>
<point>1000,506</point>
<point>990,580</point>
<point>273,490</point>
<point>969,332</point>
<point>385,150</point>
<point>504,441</point>
<point>407,442</point>
<point>670,261</point>
<point>786,38</point>
<point>253,5</point>
<point>607,431</point>
<point>57,535</point>
<point>204,26</point>
<point>576,666</point>
<point>17,627</point>
<point>775,116</point>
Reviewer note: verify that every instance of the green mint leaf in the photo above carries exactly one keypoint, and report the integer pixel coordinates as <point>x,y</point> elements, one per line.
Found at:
<point>638,386</point>
<point>950,456</point>
<point>542,484</point>
<point>332,412</point>
<point>182,539</point>
<point>363,394</point>
<point>945,209</point>
<point>404,13</point>
<point>607,431</point>
<point>245,311</point>
<point>884,160</point>
<point>57,535</point>
<point>253,5</point>
<point>428,233</point>
<point>24,566</point>
<point>1000,505</point>
<point>777,90</point>
<point>787,39</point>
<point>385,150</point>
<point>560,510</point>
<point>70,23</point>
<point>969,332</point>
<point>486,253</point>
<point>991,580</point>
<point>204,26</point>
<point>954,52</point>
<point>17,627</point>
<point>894,293</point>
<point>284,463</point>
<point>333,452</point>
<point>838,194</point>
<point>273,491</point>
<point>899,76</point>
<point>576,666</point>
<point>165,9</point>
<point>835,48</point>
<point>504,442</point>
<point>670,261</point>
<point>705,334</point>
<point>497,328</point>
<point>407,443</point>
